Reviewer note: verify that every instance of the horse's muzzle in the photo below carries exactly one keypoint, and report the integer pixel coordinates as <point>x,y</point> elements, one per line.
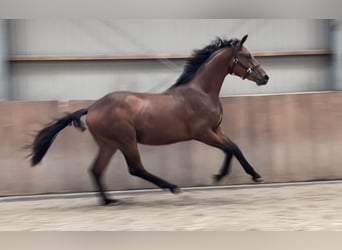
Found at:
<point>263,81</point>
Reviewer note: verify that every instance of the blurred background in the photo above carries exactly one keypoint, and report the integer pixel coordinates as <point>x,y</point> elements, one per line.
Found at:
<point>290,129</point>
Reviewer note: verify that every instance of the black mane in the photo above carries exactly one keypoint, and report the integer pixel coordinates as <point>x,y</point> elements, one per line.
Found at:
<point>199,56</point>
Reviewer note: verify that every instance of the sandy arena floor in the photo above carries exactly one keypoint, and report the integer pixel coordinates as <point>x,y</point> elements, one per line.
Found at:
<point>304,207</point>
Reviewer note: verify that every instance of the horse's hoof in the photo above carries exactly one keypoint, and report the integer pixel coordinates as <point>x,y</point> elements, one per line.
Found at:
<point>111,202</point>
<point>217,178</point>
<point>258,180</point>
<point>175,190</point>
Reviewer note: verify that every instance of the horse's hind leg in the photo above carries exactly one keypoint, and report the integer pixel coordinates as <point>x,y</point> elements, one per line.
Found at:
<point>136,168</point>
<point>99,165</point>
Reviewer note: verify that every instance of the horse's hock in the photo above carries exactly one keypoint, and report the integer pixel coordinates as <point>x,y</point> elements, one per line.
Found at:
<point>285,137</point>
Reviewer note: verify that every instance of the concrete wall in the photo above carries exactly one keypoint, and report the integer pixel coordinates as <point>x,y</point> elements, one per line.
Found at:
<point>286,138</point>
<point>91,80</point>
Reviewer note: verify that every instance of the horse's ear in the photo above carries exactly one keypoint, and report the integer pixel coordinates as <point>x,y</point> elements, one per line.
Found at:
<point>243,40</point>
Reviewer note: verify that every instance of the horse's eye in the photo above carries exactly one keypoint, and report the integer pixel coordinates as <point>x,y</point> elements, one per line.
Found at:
<point>249,56</point>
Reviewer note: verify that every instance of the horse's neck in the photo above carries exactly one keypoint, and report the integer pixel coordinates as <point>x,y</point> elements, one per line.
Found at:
<point>211,74</point>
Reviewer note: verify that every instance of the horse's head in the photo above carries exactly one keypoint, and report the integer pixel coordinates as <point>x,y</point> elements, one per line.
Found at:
<point>245,65</point>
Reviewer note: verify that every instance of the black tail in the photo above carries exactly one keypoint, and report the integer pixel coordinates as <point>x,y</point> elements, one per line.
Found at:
<point>47,135</point>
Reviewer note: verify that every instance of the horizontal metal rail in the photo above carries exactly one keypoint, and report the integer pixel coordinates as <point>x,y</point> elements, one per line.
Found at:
<point>179,56</point>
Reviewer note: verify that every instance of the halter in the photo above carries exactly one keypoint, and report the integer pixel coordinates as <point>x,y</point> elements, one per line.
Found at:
<point>236,61</point>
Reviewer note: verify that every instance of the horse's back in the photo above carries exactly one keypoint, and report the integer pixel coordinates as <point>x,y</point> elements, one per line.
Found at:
<point>155,118</point>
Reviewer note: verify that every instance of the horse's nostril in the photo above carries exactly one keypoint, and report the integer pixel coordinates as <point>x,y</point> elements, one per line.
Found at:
<point>266,77</point>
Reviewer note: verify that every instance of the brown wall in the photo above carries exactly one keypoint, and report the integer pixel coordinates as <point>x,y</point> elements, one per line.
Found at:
<point>285,137</point>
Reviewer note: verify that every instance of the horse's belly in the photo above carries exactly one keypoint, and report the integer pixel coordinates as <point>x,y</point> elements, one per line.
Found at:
<point>162,136</point>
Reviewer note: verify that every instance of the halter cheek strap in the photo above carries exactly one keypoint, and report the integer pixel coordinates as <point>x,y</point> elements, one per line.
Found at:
<point>236,61</point>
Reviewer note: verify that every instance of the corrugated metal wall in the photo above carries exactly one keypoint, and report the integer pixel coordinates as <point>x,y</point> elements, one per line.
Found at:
<point>91,80</point>
<point>3,61</point>
<point>159,36</point>
<point>336,27</point>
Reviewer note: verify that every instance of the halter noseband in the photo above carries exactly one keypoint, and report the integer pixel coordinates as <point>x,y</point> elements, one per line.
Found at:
<point>236,61</point>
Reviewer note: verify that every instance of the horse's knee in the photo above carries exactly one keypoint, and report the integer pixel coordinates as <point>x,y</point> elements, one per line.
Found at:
<point>135,171</point>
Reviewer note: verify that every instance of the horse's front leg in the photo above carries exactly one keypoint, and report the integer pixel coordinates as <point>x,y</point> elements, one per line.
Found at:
<point>226,167</point>
<point>219,140</point>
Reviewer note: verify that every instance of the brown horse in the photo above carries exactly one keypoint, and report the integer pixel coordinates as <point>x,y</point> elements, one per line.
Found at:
<point>188,110</point>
